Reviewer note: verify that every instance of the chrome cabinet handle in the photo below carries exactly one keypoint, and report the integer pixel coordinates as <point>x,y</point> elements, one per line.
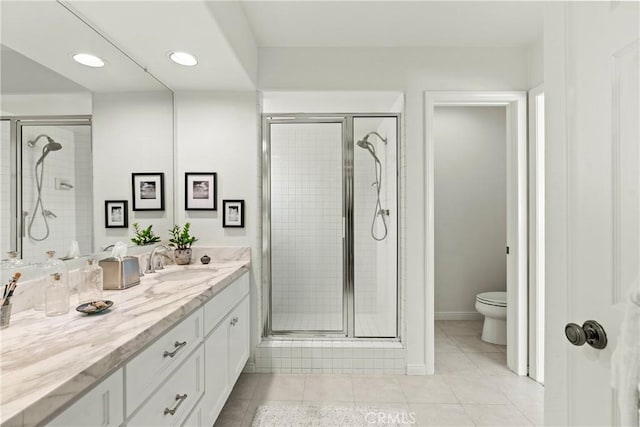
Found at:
<point>591,332</point>
<point>179,399</point>
<point>178,346</point>
<point>234,321</point>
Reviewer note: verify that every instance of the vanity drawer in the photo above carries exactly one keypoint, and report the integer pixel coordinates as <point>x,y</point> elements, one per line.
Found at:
<point>221,304</point>
<point>102,406</point>
<point>148,369</point>
<point>174,400</point>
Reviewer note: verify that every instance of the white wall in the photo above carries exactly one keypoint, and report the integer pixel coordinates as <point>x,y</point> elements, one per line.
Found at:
<point>50,104</point>
<point>470,207</point>
<point>132,132</point>
<point>412,70</point>
<point>218,132</point>
<point>535,58</point>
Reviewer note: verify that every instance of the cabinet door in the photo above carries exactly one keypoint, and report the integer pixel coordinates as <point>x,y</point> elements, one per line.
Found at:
<point>238,322</point>
<point>102,406</point>
<point>216,372</point>
<point>195,418</point>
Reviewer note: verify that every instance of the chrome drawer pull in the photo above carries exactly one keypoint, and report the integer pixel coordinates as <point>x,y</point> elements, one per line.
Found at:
<point>179,399</point>
<point>178,346</point>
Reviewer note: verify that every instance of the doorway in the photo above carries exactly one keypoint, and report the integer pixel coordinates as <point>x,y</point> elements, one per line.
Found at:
<point>470,181</point>
<point>516,218</point>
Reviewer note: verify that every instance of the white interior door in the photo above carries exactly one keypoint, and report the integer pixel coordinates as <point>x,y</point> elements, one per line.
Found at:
<point>593,178</point>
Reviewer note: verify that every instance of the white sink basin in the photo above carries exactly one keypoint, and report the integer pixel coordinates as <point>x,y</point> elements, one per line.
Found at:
<point>184,275</point>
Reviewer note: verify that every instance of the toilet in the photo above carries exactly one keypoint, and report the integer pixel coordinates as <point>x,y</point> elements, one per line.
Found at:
<point>493,306</point>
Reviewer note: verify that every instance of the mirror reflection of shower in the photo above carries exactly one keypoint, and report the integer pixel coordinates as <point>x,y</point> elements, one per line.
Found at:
<point>378,211</point>
<point>50,146</point>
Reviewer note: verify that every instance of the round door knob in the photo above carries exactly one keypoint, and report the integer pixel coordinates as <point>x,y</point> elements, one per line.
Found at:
<point>596,336</point>
<point>575,334</point>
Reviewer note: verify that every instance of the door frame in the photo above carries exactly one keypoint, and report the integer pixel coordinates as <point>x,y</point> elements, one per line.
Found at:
<point>536,234</point>
<point>517,217</point>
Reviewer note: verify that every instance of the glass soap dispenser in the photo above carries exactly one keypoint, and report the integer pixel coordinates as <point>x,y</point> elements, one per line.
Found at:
<point>56,296</point>
<point>90,288</point>
<point>51,266</point>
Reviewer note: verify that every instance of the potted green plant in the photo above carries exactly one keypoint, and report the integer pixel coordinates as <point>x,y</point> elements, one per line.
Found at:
<point>181,240</point>
<point>144,236</point>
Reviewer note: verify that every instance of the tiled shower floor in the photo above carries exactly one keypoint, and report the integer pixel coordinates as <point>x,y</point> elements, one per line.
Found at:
<point>471,387</point>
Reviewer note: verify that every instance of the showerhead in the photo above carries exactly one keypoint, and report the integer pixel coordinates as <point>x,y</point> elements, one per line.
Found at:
<point>364,143</point>
<point>51,146</point>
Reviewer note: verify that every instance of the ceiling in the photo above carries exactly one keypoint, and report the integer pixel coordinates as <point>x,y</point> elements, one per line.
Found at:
<point>135,36</point>
<point>394,23</point>
<point>21,75</point>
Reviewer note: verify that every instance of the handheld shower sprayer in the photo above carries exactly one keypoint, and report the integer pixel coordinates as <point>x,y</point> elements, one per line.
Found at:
<point>379,212</point>
<point>50,146</point>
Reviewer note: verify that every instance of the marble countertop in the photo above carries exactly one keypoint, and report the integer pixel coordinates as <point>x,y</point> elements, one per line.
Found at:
<point>46,362</point>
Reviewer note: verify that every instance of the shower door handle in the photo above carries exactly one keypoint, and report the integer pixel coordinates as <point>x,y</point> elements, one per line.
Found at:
<point>25,214</point>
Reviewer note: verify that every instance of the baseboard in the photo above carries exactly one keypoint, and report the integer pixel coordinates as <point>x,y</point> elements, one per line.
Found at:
<point>249,368</point>
<point>458,315</point>
<point>417,369</point>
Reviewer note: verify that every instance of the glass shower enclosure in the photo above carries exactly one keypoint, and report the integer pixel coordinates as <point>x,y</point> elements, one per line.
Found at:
<point>330,218</point>
<point>46,180</point>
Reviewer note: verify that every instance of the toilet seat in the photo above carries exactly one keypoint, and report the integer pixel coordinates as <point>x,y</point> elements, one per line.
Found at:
<point>497,299</point>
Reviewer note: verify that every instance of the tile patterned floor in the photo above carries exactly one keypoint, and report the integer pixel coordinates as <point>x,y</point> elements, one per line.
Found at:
<point>472,387</point>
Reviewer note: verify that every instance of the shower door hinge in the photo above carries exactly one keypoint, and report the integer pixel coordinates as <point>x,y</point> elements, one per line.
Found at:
<point>507,250</point>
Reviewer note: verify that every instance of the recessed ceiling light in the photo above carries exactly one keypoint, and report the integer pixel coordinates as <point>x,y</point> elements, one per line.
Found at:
<point>88,60</point>
<point>183,58</point>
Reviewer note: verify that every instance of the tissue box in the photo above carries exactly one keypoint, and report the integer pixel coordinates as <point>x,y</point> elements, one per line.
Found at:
<point>120,273</point>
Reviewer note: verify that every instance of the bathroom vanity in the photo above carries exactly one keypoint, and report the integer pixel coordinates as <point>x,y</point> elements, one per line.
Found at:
<point>168,354</point>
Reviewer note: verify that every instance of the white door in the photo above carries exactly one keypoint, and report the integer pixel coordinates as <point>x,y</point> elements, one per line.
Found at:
<point>592,182</point>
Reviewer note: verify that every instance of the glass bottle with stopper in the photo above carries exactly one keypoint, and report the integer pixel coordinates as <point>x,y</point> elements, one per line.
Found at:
<point>90,288</point>
<point>57,296</point>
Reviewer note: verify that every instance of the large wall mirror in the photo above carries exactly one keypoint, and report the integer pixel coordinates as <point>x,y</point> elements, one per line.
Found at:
<point>73,135</point>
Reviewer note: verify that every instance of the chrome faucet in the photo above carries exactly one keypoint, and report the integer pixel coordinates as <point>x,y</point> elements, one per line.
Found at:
<point>159,265</point>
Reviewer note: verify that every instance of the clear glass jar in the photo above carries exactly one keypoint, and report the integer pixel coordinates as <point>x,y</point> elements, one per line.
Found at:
<point>90,287</point>
<point>51,266</point>
<point>56,296</point>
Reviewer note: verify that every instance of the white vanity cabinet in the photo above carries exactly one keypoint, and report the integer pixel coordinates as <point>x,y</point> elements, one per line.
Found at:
<point>102,406</point>
<point>226,345</point>
<point>183,378</point>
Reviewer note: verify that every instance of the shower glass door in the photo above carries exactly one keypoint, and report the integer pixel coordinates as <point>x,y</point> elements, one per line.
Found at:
<point>306,226</point>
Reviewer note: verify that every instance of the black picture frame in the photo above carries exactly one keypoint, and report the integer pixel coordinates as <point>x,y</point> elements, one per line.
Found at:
<point>201,191</point>
<point>233,213</point>
<point>116,214</point>
<point>147,191</point>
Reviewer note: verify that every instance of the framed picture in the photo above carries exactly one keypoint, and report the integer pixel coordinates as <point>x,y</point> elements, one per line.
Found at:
<point>148,191</point>
<point>233,213</point>
<point>200,193</point>
<point>116,213</point>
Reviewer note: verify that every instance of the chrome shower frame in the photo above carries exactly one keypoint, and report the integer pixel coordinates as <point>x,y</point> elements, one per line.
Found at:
<point>17,227</point>
<point>348,147</point>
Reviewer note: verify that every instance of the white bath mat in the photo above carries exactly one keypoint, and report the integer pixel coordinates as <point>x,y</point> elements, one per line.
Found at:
<point>330,416</point>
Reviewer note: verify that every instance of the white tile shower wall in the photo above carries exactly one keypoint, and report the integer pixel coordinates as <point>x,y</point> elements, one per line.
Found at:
<point>306,219</point>
<point>60,202</point>
<point>5,187</point>
<point>330,357</point>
